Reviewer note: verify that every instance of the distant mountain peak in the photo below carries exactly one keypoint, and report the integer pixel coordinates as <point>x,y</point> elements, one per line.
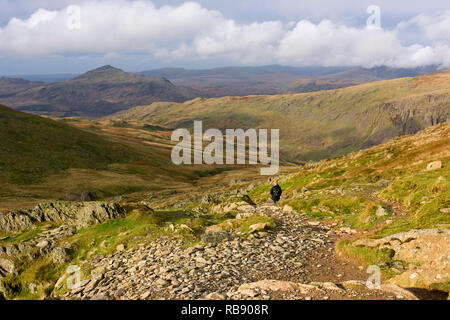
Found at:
<point>108,68</point>
<point>110,74</point>
<point>13,80</point>
<point>102,72</point>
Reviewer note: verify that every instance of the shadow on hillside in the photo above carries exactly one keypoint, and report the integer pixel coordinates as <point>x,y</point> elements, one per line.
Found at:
<point>424,294</point>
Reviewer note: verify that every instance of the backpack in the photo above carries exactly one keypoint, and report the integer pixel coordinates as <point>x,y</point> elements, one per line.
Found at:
<point>276,191</point>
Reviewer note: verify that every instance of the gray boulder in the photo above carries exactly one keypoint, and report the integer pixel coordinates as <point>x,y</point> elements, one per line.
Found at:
<point>381,212</point>
<point>79,215</point>
<point>60,255</point>
<point>216,237</point>
<point>13,250</point>
<point>16,221</point>
<point>7,267</point>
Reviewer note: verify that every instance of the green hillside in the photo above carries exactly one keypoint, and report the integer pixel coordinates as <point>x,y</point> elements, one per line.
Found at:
<point>393,175</point>
<point>399,186</point>
<point>321,124</point>
<point>275,79</point>
<point>32,148</point>
<point>42,159</point>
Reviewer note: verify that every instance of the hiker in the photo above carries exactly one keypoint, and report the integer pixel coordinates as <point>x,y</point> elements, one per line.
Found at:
<point>275,192</point>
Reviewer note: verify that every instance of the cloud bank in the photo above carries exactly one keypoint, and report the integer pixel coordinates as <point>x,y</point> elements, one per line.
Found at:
<point>190,31</point>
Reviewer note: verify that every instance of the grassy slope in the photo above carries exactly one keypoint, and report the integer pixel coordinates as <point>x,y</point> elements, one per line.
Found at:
<point>278,79</point>
<point>10,86</point>
<point>349,190</point>
<point>322,124</point>
<point>392,175</point>
<point>32,148</point>
<point>43,159</point>
<point>367,179</point>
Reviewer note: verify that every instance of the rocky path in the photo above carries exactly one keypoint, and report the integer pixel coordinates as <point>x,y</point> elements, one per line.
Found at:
<point>297,254</point>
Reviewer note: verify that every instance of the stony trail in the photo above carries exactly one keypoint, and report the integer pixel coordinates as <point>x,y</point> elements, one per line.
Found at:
<point>298,253</point>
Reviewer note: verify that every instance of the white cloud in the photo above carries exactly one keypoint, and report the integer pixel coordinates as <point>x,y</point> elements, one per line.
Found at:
<point>332,45</point>
<point>434,27</point>
<point>190,31</point>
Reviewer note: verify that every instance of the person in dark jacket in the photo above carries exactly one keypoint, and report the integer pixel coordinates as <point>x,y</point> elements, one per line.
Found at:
<point>275,192</point>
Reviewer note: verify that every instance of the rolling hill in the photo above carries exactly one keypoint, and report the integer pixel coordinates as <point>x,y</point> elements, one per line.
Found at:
<point>96,93</point>
<point>47,78</point>
<point>280,79</point>
<point>351,77</point>
<point>321,124</point>
<point>389,199</point>
<point>107,90</point>
<point>32,148</point>
<point>43,159</point>
<point>11,86</point>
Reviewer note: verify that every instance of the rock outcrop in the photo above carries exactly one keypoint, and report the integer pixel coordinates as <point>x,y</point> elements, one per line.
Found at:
<point>15,221</point>
<point>79,215</point>
<point>319,290</point>
<point>427,251</point>
<point>7,266</point>
<point>434,165</point>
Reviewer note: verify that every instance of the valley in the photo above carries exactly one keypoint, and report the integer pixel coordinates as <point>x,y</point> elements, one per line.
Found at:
<point>224,160</point>
<point>242,81</point>
<point>365,182</point>
<point>216,241</point>
<point>317,125</point>
<point>56,158</point>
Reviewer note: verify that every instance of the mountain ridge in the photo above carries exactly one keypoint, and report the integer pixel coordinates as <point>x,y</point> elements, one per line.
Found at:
<point>33,147</point>
<point>96,93</point>
<point>276,79</point>
<point>333,122</point>
<point>106,90</point>
<point>10,86</point>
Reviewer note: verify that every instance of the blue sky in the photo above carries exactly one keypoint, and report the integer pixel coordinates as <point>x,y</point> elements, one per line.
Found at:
<point>59,36</point>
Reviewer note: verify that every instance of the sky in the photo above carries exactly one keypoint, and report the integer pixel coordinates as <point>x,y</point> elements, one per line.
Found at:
<point>62,36</point>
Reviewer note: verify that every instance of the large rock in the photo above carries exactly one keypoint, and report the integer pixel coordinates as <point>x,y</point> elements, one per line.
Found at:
<point>245,207</point>
<point>10,250</point>
<point>427,251</point>
<point>434,165</point>
<point>230,207</point>
<point>216,237</point>
<point>276,285</point>
<point>60,255</point>
<point>214,228</point>
<point>15,221</point>
<point>79,215</point>
<point>7,267</point>
<point>386,287</point>
<point>381,212</point>
<point>13,250</point>
<point>213,296</point>
<point>261,226</point>
<point>288,209</point>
